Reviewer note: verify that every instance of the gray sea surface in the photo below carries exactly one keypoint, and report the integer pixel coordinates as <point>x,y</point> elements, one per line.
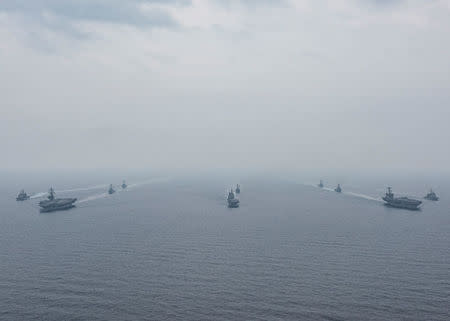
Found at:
<point>168,248</point>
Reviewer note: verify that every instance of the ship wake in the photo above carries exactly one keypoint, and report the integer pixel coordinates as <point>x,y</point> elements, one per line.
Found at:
<point>38,195</point>
<point>119,190</point>
<point>359,195</point>
<point>93,197</point>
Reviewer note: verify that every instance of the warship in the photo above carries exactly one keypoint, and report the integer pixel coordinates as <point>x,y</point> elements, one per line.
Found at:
<point>56,204</point>
<point>320,184</point>
<point>431,196</point>
<point>233,202</point>
<point>401,202</point>
<point>22,196</point>
<point>124,185</point>
<point>338,188</point>
<point>111,190</point>
<point>238,189</point>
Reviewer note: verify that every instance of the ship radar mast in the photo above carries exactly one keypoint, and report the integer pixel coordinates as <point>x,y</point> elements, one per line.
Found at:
<point>51,194</point>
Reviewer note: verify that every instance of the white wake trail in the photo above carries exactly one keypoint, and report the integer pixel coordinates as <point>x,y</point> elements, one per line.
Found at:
<point>119,189</point>
<point>93,197</point>
<point>367,197</point>
<point>38,195</point>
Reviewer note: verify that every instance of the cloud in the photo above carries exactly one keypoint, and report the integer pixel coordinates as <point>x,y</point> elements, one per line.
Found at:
<point>110,11</point>
<point>45,24</point>
<point>177,76</point>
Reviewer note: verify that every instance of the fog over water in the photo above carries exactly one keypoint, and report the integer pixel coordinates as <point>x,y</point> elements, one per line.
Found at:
<point>225,84</point>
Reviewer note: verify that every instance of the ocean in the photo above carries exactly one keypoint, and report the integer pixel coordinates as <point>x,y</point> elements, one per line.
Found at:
<point>168,248</point>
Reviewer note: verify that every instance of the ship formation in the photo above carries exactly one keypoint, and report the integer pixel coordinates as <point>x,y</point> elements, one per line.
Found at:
<point>52,203</point>
<point>397,202</point>
<point>57,204</point>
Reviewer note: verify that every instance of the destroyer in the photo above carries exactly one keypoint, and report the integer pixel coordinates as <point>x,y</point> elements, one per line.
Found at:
<point>22,196</point>
<point>56,204</point>
<point>431,196</point>
<point>401,202</point>
<point>338,188</point>
<point>111,190</point>
<point>238,189</point>
<point>233,202</point>
<point>124,185</point>
<point>320,184</point>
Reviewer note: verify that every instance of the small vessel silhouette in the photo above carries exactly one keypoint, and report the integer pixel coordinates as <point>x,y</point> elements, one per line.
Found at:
<point>22,196</point>
<point>124,185</point>
<point>238,189</point>
<point>320,184</point>
<point>111,190</point>
<point>431,196</point>
<point>233,202</point>
<point>338,188</point>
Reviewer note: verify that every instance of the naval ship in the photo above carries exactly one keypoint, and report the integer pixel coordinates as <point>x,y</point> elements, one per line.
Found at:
<point>431,196</point>
<point>238,189</point>
<point>320,184</point>
<point>22,196</point>
<point>124,185</point>
<point>401,202</point>
<point>111,190</point>
<point>56,204</point>
<point>338,188</point>
<point>233,202</point>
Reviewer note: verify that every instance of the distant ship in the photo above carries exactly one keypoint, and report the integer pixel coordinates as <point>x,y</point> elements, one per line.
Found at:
<point>401,202</point>
<point>338,188</point>
<point>56,204</point>
<point>320,184</point>
<point>111,190</point>
<point>431,196</point>
<point>233,202</point>
<point>124,185</point>
<point>22,196</point>
<point>238,189</point>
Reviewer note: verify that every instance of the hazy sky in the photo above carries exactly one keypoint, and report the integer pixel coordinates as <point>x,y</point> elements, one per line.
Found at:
<point>213,84</point>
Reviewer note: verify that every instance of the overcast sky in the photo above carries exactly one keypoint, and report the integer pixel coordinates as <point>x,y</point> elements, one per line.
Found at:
<point>301,84</point>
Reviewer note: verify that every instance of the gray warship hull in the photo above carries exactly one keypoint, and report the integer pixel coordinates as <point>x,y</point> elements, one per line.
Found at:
<point>22,196</point>
<point>58,204</point>
<point>234,203</point>
<point>400,202</point>
<point>431,196</point>
<point>403,202</point>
